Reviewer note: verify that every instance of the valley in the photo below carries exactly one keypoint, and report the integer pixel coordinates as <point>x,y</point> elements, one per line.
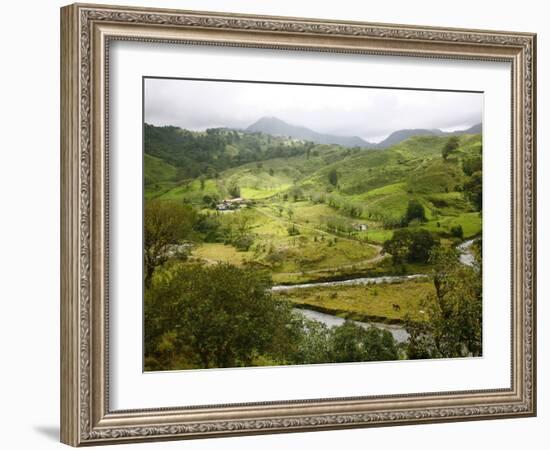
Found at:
<point>312,213</point>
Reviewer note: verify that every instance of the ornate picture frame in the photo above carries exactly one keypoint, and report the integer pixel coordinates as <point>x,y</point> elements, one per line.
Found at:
<point>86,34</point>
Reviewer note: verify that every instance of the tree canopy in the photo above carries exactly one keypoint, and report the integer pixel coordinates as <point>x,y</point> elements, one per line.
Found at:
<point>450,146</point>
<point>415,210</point>
<point>165,225</point>
<point>453,325</point>
<point>333,177</point>
<point>410,246</point>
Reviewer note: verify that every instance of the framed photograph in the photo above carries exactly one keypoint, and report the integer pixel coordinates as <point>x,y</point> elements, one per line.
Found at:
<point>276,224</point>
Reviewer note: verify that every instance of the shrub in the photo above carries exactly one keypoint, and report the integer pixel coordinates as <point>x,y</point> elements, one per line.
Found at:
<point>243,242</point>
<point>415,210</point>
<point>411,246</point>
<point>293,231</point>
<point>457,232</point>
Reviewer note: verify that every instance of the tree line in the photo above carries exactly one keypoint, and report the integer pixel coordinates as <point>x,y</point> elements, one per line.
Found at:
<point>210,152</point>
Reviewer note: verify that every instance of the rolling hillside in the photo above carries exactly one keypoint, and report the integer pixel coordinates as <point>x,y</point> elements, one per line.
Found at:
<point>373,186</point>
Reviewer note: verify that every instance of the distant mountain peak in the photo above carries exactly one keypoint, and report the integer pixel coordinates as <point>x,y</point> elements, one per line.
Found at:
<point>400,135</point>
<point>277,127</point>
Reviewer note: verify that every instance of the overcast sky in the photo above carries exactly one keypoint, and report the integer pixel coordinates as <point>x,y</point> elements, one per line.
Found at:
<point>371,114</point>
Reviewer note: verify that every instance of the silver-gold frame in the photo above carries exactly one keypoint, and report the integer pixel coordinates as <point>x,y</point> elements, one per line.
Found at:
<point>86,33</point>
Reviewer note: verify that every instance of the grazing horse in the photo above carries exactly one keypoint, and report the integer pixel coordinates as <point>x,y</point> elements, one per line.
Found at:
<point>396,307</point>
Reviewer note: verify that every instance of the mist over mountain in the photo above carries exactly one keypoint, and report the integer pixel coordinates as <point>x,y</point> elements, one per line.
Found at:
<point>277,127</point>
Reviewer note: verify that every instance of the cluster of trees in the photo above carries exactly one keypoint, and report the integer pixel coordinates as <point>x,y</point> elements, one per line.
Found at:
<point>472,167</point>
<point>225,316</point>
<point>408,245</point>
<point>453,323</point>
<point>194,154</point>
<point>450,146</point>
<point>473,189</point>
<point>346,207</point>
<point>415,211</point>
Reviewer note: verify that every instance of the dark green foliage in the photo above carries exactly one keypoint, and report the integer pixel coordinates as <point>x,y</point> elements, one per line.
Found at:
<point>398,246</point>
<point>410,246</point>
<point>422,243</point>
<point>293,230</point>
<point>234,190</point>
<point>450,146</point>
<point>333,177</point>
<point>243,242</point>
<point>457,232</point>
<point>453,325</point>
<point>220,316</point>
<point>473,189</point>
<point>296,193</point>
<point>415,210</point>
<point>166,225</point>
<point>315,343</point>
<point>351,342</point>
<point>207,153</point>
<point>209,227</point>
<point>471,165</point>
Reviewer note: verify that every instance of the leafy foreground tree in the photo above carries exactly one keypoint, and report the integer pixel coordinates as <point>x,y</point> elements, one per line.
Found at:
<point>221,316</point>
<point>166,225</point>
<point>453,325</point>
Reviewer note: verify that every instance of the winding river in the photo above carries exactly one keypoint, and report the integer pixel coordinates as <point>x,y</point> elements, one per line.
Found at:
<point>466,256</point>
<point>399,333</point>
<point>350,282</point>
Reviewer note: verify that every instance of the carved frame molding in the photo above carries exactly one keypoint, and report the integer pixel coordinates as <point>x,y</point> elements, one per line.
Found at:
<point>86,33</point>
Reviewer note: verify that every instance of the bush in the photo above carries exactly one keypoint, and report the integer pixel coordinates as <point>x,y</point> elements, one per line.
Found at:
<point>421,245</point>
<point>415,210</point>
<point>351,342</point>
<point>234,190</point>
<point>471,165</point>
<point>457,232</point>
<point>410,246</point>
<point>333,177</point>
<point>243,242</point>
<point>450,146</point>
<point>293,231</point>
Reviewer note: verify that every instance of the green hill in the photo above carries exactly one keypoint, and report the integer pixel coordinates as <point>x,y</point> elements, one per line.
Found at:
<point>373,186</point>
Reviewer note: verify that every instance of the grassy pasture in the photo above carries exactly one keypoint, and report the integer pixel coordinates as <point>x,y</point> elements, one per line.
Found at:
<point>373,302</point>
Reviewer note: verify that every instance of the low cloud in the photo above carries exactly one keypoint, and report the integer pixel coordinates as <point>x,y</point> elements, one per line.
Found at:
<point>351,111</point>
